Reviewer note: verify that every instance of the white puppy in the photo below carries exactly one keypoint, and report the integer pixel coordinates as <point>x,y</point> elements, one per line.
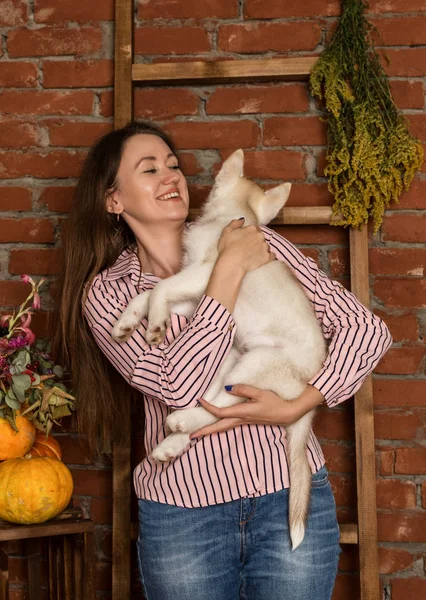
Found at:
<point>278,343</point>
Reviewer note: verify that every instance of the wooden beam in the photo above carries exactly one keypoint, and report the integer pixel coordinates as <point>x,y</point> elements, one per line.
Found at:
<point>222,71</point>
<point>121,476</point>
<point>364,437</point>
<point>294,215</point>
<point>123,58</point>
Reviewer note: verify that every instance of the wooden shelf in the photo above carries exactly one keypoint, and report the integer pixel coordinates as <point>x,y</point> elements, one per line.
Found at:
<point>348,532</point>
<point>9,531</point>
<point>223,71</point>
<point>294,215</point>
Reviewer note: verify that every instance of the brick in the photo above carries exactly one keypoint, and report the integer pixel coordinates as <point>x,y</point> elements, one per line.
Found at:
<point>189,164</point>
<point>408,94</point>
<point>281,164</point>
<point>396,426</point>
<point>26,230</point>
<point>106,104</point>
<point>171,40</point>
<point>34,262</point>
<point>424,494</point>
<point>417,125</point>
<point>334,424</point>
<point>54,41</point>
<point>316,235</point>
<point>101,510</point>
<point>386,461</point>
<point>76,133</point>
<point>46,103</point>
<point>348,559</point>
<point>198,194</point>
<point>401,292</point>
<point>54,11</point>
<point>214,134</point>
<point>58,163</point>
<point>339,458</point>
<point>397,261</point>
<point>344,490</point>
<point>407,360</point>
<point>393,493</point>
<point>77,73</point>
<point>403,327</point>
<point>18,74</point>
<point>400,31</point>
<point>57,198</point>
<point>406,62</point>
<point>408,589</point>
<point>411,461</point>
<point>392,560</point>
<point>414,197</point>
<point>92,482</point>
<point>12,293</point>
<point>163,103</point>
<point>72,450</point>
<point>395,6</point>
<point>15,198</point>
<point>13,13</point>
<point>276,9</point>
<point>18,134</point>
<point>294,131</point>
<point>407,527</point>
<point>103,576</point>
<point>287,98</point>
<point>187,9</point>
<point>404,228</point>
<point>269,37</point>
<point>310,194</point>
<point>394,392</point>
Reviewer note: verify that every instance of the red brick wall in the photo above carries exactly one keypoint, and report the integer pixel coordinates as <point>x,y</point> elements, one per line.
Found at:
<point>56,75</point>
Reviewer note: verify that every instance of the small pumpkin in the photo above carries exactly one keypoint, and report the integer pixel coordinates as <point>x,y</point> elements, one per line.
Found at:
<point>14,444</point>
<point>33,490</point>
<point>46,446</point>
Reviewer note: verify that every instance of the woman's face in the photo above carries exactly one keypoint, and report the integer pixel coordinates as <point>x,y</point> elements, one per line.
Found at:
<point>151,188</point>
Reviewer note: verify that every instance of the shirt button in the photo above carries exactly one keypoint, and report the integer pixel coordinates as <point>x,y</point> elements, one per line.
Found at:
<point>231,327</point>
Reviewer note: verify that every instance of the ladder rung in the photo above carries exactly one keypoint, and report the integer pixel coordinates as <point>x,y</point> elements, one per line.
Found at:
<point>202,71</point>
<point>348,532</point>
<point>294,215</point>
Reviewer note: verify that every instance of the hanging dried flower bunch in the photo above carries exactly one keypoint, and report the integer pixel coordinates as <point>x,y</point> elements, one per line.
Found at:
<point>371,156</point>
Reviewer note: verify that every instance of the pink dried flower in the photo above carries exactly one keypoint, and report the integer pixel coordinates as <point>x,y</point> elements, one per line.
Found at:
<point>27,279</point>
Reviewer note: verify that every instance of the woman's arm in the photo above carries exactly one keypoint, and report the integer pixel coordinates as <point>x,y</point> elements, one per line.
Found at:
<point>181,368</point>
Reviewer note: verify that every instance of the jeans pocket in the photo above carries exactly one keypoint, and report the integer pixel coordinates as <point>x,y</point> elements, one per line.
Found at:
<point>320,478</point>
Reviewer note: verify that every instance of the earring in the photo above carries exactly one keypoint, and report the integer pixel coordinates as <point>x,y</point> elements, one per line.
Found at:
<point>118,217</point>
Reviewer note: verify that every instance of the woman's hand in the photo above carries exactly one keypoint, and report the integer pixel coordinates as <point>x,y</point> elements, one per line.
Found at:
<point>244,248</point>
<point>262,407</point>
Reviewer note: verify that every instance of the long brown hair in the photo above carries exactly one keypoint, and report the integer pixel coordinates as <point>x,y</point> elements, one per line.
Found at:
<point>93,241</point>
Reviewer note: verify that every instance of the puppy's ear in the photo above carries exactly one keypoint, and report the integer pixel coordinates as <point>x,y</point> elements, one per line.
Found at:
<point>233,165</point>
<point>271,202</point>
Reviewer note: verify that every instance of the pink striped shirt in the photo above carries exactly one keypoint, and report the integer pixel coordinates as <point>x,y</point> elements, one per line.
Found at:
<point>249,460</point>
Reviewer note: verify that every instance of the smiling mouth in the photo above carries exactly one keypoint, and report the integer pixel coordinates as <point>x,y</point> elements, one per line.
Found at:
<point>170,196</point>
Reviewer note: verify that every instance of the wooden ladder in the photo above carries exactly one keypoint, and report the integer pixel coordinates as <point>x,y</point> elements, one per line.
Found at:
<point>364,532</point>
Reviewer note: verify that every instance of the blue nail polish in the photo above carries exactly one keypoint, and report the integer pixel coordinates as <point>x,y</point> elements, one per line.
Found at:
<point>228,388</point>
<point>239,218</point>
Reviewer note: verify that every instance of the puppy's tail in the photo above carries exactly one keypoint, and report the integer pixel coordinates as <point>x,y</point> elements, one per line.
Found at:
<point>300,478</point>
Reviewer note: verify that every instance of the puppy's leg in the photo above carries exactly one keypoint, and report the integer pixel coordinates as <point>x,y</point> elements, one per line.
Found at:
<point>191,419</point>
<point>130,318</point>
<point>188,284</point>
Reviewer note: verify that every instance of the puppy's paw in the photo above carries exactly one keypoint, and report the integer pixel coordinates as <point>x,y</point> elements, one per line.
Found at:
<point>177,422</point>
<point>155,334</point>
<point>124,327</point>
<point>171,447</point>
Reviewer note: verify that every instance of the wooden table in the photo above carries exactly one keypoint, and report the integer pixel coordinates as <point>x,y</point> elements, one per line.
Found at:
<point>70,556</point>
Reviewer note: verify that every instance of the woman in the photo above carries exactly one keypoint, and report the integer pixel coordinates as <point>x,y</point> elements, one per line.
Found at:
<point>213,522</point>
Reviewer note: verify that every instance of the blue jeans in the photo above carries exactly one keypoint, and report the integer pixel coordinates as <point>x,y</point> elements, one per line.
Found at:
<point>239,550</point>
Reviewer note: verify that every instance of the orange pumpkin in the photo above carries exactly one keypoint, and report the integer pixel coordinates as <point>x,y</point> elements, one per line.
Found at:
<point>33,490</point>
<point>14,444</point>
<point>46,446</point>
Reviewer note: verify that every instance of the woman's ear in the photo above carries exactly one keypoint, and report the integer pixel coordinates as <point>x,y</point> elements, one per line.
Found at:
<point>113,204</point>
